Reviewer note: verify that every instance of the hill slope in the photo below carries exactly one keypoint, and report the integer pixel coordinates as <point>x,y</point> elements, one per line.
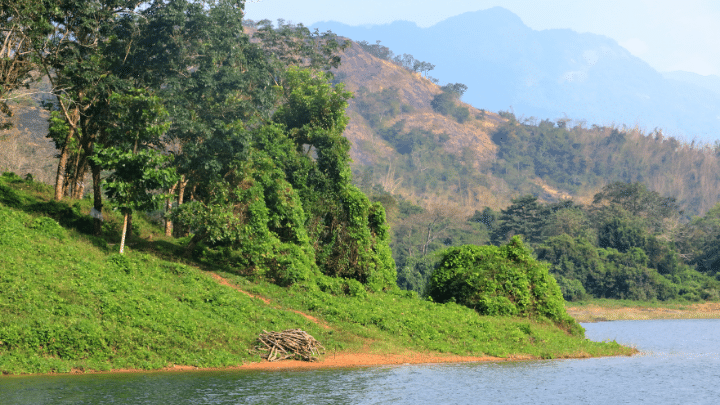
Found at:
<point>70,302</point>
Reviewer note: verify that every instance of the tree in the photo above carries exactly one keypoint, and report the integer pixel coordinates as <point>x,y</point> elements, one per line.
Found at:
<point>457,89</point>
<point>487,217</point>
<point>137,168</point>
<point>573,258</point>
<point>377,50</point>
<point>16,63</point>
<point>296,45</point>
<point>445,102</point>
<point>425,67</point>
<point>621,234</point>
<point>349,234</point>
<point>636,199</point>
<point>68,38</point>
<point>525,216</point>
<point>502,280</point>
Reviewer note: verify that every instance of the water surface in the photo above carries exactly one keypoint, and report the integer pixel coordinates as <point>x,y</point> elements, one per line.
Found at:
<point>679,363</point>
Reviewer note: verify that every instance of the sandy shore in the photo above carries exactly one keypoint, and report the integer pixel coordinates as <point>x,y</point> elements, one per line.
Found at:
<point>332,360</point>
<point>596,313</point>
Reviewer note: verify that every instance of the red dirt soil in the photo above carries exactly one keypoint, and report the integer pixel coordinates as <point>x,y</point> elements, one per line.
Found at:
<point>330,360</point>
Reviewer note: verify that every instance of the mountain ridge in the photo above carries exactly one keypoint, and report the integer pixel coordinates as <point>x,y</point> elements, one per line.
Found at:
<point>550,73</point>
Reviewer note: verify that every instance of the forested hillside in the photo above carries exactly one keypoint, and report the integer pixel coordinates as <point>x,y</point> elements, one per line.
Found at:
<point>254,140</point>
<point>449,174</point>
<point>239,142</point>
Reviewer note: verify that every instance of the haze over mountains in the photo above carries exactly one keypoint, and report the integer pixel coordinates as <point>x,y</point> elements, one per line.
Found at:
<point>552,73</point>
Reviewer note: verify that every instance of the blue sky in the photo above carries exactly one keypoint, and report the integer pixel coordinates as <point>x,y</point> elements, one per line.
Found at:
<point>668,34</point>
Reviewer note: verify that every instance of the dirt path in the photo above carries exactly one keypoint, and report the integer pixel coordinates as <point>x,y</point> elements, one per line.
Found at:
<point>596,313</point>
<point>226,282</point>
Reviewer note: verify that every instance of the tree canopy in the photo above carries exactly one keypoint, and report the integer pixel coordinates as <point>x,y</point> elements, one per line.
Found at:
<point>175,99</point>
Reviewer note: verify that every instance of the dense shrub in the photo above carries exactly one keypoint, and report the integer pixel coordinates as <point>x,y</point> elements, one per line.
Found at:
<point>502,280</point>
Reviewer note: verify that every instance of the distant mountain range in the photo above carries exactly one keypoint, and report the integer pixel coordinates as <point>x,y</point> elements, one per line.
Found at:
<point>552,74</point>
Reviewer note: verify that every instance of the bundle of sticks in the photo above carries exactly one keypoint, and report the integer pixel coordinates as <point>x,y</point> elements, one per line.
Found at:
<point>290,343</point>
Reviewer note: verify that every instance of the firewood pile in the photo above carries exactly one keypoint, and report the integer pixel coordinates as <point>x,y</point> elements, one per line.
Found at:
<point>290,343</point>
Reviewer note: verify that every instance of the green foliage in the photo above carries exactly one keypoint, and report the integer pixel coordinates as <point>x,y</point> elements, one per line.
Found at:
<point>445,104</point>
<point>348,234</point>
<point>572,289</point>
<point>524,217</point>
<point>414,140</point>
<point>295,45</point>
<point>48,227</point>
<point>136,177</point>
<point>9,196</point>
<point>71,306</point>
<point>259,216</point>
<point>620,234</point>
<point>487,217</point>
<point>499,281</point>
<point>400,318</point>
<point>609,273</point>
<point>698,240</point>
<point>455,88</point>
<point>640,202</point>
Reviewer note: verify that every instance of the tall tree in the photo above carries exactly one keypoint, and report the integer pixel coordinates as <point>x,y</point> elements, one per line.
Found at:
<point>138,168</point>
<point>525,216</point>
<point>640,202</point>
<point>67,38</point>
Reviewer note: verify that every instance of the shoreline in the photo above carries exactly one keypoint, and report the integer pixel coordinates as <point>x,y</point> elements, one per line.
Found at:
<point>328,361</point>
<point>588,313</point>
<point>599,313</point>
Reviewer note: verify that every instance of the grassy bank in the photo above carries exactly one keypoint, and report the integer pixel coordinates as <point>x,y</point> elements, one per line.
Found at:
<point>70,302</point>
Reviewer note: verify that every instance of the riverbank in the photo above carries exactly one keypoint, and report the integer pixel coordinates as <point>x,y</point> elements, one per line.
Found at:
<point>71,302</point>
<point>608,310</point>
<point>336,360</point>
<point>330,360</point>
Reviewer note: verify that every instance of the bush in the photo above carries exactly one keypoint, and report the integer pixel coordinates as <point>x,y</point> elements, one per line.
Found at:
<point>444,103</point>
<point>572,289</point>
<point>502,280</point>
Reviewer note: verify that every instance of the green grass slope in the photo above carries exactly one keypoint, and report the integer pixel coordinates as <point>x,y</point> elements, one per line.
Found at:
<point>69,301</point>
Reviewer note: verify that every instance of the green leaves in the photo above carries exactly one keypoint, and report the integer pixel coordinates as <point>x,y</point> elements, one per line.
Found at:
<point>502,280</point>
<point>138,170</point>
<point>136,177</point>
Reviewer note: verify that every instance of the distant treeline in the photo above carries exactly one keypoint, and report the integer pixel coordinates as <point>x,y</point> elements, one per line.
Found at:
<point>405,60</point>
<point>628,244</point>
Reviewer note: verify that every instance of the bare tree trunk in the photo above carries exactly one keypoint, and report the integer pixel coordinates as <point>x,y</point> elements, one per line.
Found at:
<point>72,118</point>
<point>60,177</point>
<point>124,228</point>
<point>168,206</point>
<point>97,197</point>
<point>178,228</point>
<point>79,178</point>
<point>129,228</point>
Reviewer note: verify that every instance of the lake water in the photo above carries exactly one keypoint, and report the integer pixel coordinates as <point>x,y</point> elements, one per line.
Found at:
<point>679,364</point>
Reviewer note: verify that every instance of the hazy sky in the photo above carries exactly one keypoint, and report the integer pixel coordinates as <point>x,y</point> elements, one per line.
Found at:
<point>668,34</point>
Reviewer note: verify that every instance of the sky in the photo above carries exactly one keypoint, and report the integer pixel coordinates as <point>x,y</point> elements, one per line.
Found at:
<point>667,34</point>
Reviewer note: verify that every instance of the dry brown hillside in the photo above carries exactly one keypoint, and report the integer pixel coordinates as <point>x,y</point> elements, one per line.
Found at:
<point>361,69</point>
<point>469,142</point>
